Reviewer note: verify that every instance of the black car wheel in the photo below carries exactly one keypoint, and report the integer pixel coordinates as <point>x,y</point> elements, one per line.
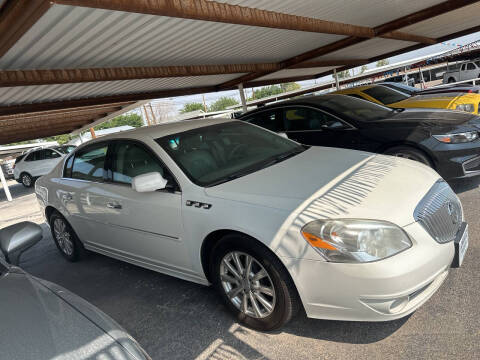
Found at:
<point>27,180</point>
<point>65,238</point>
<point>409,153</point>
<point>253,283</point>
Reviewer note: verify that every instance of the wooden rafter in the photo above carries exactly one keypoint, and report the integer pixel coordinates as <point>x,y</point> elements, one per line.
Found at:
<point>235,14</point>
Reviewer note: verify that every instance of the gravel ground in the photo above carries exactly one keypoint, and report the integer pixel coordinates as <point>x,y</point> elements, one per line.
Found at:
<point>175,319</point>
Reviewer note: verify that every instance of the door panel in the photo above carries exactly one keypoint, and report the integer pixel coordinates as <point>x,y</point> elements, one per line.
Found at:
<point>144,226</point>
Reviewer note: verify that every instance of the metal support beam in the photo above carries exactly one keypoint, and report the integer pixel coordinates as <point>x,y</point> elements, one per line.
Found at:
<point>335,75</point>
<point>242,97</point>
<point>12,78</point>
<point>5,185</point>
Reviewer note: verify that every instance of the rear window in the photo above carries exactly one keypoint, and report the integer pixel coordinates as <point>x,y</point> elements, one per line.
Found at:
<point>19,158</point>
<point>385,95</point>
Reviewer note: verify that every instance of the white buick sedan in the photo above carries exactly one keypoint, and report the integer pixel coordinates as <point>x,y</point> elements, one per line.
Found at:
<point>274,225</point>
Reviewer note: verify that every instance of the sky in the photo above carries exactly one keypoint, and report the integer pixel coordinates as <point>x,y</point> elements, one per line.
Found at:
<point>178,102</point>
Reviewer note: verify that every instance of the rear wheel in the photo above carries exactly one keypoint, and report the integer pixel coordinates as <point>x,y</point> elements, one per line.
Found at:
<point>451,80</point>
<point>253,283</point>
<point>409,153</point>
<point>65,238</point>
<point>27,180</point>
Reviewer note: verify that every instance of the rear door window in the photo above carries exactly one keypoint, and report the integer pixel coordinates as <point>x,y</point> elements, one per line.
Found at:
<point>89,163</point>
<point>470,66</point>
<point>385,95</point>
<point>309,119</point>
<point>268,119</point>
<point>50,154</point>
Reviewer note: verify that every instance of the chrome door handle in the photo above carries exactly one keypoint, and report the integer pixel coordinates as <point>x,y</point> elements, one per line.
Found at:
<point>112,205</point>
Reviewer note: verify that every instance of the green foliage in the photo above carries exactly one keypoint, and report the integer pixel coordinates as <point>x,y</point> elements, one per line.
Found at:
<point>132,119</point>
<point>363,69</point>
<point>272,90</point>
<point>382,62</point>
<point>189,107</point>
<point>61,139</point>
<point>222,103</point>
<point>343,74</point>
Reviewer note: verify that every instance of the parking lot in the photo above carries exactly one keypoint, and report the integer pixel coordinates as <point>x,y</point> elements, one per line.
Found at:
<point>175,319</point>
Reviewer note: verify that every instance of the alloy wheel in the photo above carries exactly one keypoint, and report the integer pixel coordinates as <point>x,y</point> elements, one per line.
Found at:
<point>63,236</point>
<point>26,180</point>
<point>247,284</point>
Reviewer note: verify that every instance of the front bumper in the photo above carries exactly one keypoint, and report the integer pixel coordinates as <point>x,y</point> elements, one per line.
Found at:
<point>379,291</point>
<point>456,161</point>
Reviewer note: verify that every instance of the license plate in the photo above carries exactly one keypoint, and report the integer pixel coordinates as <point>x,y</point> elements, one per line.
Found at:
<point>461,246</point>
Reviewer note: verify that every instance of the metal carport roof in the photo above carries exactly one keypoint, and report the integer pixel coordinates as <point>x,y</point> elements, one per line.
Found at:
<point>66,63</point>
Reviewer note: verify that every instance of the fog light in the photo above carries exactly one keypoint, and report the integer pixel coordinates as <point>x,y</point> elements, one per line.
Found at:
<point>398,305</point>
<point>387,306</point>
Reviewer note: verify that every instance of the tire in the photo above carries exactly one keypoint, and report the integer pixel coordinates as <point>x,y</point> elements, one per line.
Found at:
<point>283,300</point>
<point>451,80</point>
<point>26,180</point>
<point>65,238</point>
<point>409,153</point>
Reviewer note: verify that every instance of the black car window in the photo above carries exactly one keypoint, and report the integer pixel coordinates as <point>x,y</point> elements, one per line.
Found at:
<point>305,119</point>
<point>89,163</point>
<point>35,156</point>
<point>50,154</point>
<point>478,63</point>
<point>350,108</point>
<point>30,156</point>
<point>268,119</point>
<point>130,159</point>
<point>385,95</point>
<point>470,66</point>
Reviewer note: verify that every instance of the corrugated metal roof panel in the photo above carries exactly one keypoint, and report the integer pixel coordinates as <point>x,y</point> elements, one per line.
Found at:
<point>45,93</point>
<point>72,37</point>
<point>449,23</point>
<point>364,12</point>
<point>295,72</point>
<point>367,49</point>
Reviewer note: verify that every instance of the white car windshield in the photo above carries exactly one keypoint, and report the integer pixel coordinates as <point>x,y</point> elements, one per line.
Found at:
<point>219,153</point>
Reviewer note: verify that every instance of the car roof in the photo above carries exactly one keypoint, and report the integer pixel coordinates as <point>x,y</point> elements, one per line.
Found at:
<point>311,99</point>
<point>158,131</point>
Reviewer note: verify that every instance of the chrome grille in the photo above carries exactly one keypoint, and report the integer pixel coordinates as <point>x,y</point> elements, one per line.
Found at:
<point>440,212</point>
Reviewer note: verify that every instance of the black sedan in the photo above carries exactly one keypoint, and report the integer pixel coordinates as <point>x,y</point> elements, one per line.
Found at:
<point>446,140</point>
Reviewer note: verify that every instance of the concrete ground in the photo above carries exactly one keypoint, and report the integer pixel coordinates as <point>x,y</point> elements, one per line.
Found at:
<point>175,319</point>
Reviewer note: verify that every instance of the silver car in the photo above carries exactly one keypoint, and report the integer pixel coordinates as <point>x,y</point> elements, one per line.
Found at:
<point>41,320</point>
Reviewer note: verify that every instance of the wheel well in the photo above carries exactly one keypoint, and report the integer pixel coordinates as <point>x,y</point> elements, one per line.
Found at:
<point>48,212</point>
<point>212,239</point>
<point>386,147</point>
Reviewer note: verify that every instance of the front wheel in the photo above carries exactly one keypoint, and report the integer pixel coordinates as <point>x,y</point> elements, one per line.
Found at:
<point>253,283</point>
<point>409,153</point>
<point>27,180</point>
<point>65,238</point>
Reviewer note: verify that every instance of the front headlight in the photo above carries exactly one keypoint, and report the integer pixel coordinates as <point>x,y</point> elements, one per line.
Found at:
<point>356,241</point>
<point>465,107</point>
<point>457,137</point>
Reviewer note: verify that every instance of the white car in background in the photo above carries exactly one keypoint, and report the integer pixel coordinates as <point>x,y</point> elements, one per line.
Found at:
<point>30,166</point>
<point>273,224</point>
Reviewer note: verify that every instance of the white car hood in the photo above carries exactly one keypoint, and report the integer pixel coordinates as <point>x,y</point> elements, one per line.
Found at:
<point>335,183</point>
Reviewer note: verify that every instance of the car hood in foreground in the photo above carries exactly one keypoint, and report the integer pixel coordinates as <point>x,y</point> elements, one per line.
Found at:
<point>338,183</point>
<point>40,320</point>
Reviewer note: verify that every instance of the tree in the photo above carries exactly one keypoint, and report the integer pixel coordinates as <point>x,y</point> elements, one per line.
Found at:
<point>189,107</point>
<point>222,103</point>
<point>131,119</point>
<point>291,86</point>
<point>382,62</point>
<point>363,69</point>
<point>343,74</point>
<point>60,139</point>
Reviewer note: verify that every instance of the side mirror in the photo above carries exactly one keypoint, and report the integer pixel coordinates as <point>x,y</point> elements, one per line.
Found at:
<point>149,182</point>
<point>17,238</point>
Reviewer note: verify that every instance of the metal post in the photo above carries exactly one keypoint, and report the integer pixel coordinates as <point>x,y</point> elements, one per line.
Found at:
<point>204,104</point>
<point>335,75</point>
<point>242,97</point>
<point>92,132</point>
<point>5,186</point>
<point>81,138</point>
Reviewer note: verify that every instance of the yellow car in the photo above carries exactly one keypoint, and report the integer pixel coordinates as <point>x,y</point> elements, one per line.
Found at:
<point>386,95</point>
